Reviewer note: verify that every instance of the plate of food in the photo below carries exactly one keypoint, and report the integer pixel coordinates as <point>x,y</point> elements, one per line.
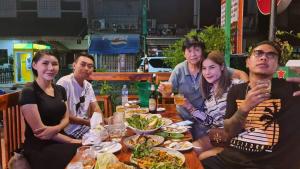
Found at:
<point>167,121</point>
<point>157,157</point>
<point>144,124</point>
<point>110,161</point>
<point>150,140</point>
<point>131,111</point>
<point>179,146</point>
<point>175,129</point>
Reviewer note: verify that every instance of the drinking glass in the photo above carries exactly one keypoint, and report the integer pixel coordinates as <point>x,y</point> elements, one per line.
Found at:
<point>118,117</point>
<point>88,158</point>
<point>267,83</point>
<point>179,99</point>
<point>116,132</point>
<point>167,88</point>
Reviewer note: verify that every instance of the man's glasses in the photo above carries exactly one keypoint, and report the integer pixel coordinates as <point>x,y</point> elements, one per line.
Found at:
<point>260,53</point>
<point>81,100</point>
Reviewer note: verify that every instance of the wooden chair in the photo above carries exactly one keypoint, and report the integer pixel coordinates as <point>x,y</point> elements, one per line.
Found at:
<point>106,99</point>
<point>13,126</point>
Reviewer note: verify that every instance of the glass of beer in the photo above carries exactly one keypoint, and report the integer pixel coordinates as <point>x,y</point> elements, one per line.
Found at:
<point>265,82</point>
<point>179,99</point>
<point>167,88</point>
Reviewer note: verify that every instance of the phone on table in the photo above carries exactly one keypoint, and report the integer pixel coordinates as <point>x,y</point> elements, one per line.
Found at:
<point>184,123</point>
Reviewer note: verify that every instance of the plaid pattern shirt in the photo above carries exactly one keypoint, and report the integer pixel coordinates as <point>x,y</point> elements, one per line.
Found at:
<point>80,132</point>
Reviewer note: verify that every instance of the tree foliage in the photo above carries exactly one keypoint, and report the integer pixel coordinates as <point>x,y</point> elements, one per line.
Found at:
<point>286,47</point>
<point>213,38</point>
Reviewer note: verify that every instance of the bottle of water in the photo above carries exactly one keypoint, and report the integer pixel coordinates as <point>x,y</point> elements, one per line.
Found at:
<point>124,95</point>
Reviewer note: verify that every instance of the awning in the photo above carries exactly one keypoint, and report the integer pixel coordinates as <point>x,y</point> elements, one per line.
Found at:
<point>115,44</point>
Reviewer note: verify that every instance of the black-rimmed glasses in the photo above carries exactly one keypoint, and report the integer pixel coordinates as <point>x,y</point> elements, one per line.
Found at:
<point>260,53</point>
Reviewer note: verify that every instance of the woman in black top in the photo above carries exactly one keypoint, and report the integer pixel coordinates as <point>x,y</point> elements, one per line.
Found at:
<point>45,111</point>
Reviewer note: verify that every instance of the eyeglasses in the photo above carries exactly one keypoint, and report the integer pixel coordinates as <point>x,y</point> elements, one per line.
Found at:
<point>260,53</point>
<point>81,100</point>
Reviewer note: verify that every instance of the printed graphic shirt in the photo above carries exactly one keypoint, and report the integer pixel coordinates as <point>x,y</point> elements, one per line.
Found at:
<point>271,137</point>
<point>261,128</point>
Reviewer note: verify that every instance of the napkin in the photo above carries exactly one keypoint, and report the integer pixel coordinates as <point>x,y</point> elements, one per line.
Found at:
<point>96,120</point>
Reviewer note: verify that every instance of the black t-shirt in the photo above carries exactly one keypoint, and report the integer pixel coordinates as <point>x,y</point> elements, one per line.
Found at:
<point>271,138</point>
<point>51,109</point>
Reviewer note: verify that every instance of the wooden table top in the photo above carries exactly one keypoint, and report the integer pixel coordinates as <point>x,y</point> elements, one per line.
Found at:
<point>191,159</point>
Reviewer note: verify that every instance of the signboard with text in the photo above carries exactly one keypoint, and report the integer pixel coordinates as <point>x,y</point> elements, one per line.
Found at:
<point>237,7</point>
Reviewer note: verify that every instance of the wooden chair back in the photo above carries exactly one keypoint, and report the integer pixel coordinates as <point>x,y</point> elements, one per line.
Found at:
<point>13,126</point>
<point>162,76</point>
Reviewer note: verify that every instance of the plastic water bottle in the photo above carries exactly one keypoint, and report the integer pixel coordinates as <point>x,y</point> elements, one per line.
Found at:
<point>124,95</point>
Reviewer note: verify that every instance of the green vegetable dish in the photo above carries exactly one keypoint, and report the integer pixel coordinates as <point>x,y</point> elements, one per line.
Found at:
<point>144,123</point>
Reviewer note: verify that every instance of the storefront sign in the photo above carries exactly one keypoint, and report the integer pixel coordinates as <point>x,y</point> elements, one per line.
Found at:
<point>264,6</point>
<point>237,7</point>
<point>114,44</point>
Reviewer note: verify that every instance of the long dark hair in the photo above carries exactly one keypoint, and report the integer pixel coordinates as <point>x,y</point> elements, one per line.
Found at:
<point>224,81</point>
<point>39,54</point>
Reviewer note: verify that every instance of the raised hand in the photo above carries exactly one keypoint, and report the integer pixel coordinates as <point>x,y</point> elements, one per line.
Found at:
<point>254,96</point>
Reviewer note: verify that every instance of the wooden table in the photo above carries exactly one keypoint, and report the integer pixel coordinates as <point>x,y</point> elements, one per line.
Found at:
<point>191,159</point>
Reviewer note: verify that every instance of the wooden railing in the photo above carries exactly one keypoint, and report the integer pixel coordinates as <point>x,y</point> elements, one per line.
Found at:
<point>124,76</point>
<point>129,76</point>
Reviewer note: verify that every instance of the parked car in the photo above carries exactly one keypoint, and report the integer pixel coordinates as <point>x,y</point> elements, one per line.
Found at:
<point>156,64</point>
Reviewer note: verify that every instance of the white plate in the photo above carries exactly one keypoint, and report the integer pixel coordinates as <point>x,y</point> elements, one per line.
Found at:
<point>175,129</point>
<point>132,141</point>
<point>180,146</point>
<point>107,147</point>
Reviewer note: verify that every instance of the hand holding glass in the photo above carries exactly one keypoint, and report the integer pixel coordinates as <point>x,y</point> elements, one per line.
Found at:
<point>167,88</point>
<point>267,84</point>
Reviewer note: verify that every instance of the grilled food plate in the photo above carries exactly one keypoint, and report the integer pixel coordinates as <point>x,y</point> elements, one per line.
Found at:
<point>152,140</point>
